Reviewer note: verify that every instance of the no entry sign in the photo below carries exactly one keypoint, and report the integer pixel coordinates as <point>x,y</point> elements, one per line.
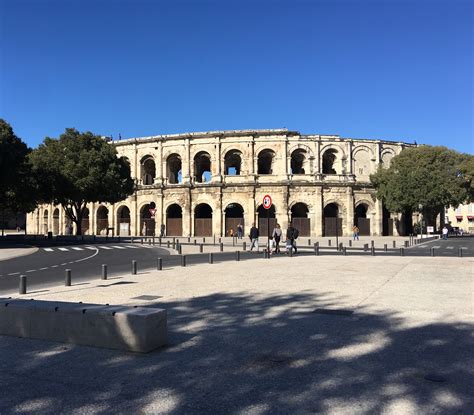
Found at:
<point>267,202</point>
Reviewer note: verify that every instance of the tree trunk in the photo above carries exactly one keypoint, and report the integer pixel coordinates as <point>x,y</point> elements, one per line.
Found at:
<point>78,222</point>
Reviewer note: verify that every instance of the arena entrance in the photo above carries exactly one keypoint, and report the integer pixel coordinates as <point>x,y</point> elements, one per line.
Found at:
<point>262,220</point>
<point>123,221</point>
<point>332,221</point>
<point>300,220</point>
<point>102,220</point>
<point>56,221</point>
<point>147,220</point>
<point>203,220</point>
<point>174,220</point>
<point>361,220</point>
<point>234,214</point>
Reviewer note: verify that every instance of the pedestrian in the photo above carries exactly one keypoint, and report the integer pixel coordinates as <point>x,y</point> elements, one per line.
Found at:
<point>254,234</point>
<point>276,234</point>
<point>291,235</point>
<point>162,230</point>
<point>231,233</point>
<point>355,232</point>
<point>445,232</point>
<point>240,231</point>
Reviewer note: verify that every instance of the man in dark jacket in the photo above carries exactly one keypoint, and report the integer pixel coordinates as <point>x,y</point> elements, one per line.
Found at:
<point>254,234</point>
<point>291,235</point>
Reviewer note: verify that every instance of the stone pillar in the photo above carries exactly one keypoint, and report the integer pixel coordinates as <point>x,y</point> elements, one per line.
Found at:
<point>134,217</point>
<point>188,218</point>
<point>377,219</point>
<point>92,219</point>
<point>349,219</point>
<point>317,224</point>
<point>113,219</point>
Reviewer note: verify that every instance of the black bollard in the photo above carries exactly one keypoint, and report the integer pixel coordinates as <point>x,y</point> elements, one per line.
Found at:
<point>340,246</point>
<point>406,244</point>
<point>221,246</point>
<point>290,252</point>
<point>201,248</point>
<point>211,258</point>
<point>179,246</point>
<point>309,242</point>
<point>385,247</point>
<point>460,252</point>
<point>372,243</point>
<point>104,272</point>
<point>22,288</point>
<point>168,243</point>
<point>159,264</point>
<point>203,240</point>
<point>329,242</point>
<point>244,246</point>
<point>132,240</point>
<point>189,239</point>
<point>402,251</point>
<point>344,251</point>
<point>149,241</point>
<point>237,255</point>
<point>141,241</point>
<point>174,244</point>
<point>134,267</point>
<point>394,244</point>
<point>159,241</point>
<point>350,242</point>
<point>67,278</point>
<point>372,250</point>
<point>183,260</point>
<point>195,242</point>
<point>432,252</point>
<point>366,247</point>
<point>316,248</point>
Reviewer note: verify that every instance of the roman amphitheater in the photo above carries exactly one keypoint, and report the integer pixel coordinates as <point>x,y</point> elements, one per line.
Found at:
<point>204,184</point>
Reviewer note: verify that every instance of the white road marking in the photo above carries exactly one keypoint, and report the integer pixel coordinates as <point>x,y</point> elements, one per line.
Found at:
<point>13,273</point>
<point>105,247</point>
<point>63,249</point>
<point>48,249</point>
<point>463,247</point>
<point>88,257</point>
<point>76,248</point>
<point>131,246</point>
<point>64,263</point>
<point>54,266</point>
<point>31,270</point>
<point>118,247</point>
<point>437,246</point>
<point>43,268</point>
<point>90,247</point>
<point>450,247</point>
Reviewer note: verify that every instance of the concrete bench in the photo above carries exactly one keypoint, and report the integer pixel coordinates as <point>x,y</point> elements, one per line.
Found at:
<point>136,329</point>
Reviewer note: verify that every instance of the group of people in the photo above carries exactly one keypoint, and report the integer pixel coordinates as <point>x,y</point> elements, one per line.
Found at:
<point>292,234</point>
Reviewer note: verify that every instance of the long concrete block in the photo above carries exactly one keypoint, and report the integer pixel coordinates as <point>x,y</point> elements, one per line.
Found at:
<point>136,329</point>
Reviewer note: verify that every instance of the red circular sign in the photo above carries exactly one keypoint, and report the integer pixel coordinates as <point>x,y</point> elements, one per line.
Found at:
<point>267,202</point>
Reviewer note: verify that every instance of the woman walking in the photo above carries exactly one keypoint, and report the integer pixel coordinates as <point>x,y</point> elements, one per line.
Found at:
<point>276,235</point>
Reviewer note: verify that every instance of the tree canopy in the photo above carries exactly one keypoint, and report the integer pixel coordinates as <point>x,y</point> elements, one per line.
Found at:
<point>425,179</point>
<point>16,182</point>
<point>79,168</point>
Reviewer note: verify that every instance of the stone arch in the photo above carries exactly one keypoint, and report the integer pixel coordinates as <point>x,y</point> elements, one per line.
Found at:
<point>300,161</point>
<point>174,220</point>
<point>299,218</point>
<point>263,221</point>
<point>362,217</point>
<point>265,161</point>
<point>203,220</point>
<point>386,157</point>
<point>147,170</point>
<point>333,158</point>
<point>123,220</point>
<point>174,168</point>
<point>102,220</point>
<point>332,220</point>
<point>56,221</point>
<point>233,162</point>
<point>362,162</point>
<point>45,221</point>
<point>147,219</point>
<point>202,167</point>
<point>234,215</point>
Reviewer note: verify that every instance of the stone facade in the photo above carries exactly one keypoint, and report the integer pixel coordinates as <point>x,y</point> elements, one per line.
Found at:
<point>205,183</point>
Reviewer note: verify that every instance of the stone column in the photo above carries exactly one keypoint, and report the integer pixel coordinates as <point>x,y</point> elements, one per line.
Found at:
<point>93,219</point>
<point>317,224</point>
<point>188,218</point>
<point>349,219</point>
<point>378,218</point>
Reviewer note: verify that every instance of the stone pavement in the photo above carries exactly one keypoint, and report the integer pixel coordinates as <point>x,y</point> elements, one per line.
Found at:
<point>13,251</point>
<point>332,335</point>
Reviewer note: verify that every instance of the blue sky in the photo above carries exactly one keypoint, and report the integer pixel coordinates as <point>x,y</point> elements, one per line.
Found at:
<point>394,70</point>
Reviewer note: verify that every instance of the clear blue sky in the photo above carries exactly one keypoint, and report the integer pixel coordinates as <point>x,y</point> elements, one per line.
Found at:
<point>395,70</point>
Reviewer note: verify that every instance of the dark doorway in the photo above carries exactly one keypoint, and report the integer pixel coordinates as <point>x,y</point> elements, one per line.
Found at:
<point>147,220</point>
<point>174,220</point>
<point>234,214</point>
<point>300,220</point>
<point>361,220</point>
<point>123,221</point>
<point>203,220</point>
<point>265,162</point>
<point>262,219</point>
<point>148,170</point>
<point>387,222</point>
<point>85,222</point>
<point>332,221</point>
<point>102,220</point>
<point>56,221</point>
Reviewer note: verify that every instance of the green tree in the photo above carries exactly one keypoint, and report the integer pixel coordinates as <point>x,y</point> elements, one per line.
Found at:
<point>16,182</point>
<point>425,179</point>
<point>79,168</point>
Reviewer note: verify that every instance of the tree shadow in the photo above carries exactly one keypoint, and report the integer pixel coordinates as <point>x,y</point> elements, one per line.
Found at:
<point>232,353</point>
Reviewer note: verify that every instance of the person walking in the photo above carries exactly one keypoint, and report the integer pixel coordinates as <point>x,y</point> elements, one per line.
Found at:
<point>276,235</point>
<point>355,232</point>
<point>291,236</point>
<point>162,230</point>
<point>445,232</point>
<point>254,234</point>
<point>240,231</point>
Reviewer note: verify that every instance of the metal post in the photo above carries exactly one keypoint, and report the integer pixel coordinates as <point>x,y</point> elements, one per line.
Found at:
<point>203,240</point>
<point>372,243</point>
<point>337,228</point>
<point>432,252</point>
<point>214,240</point>
<point>406,244</point>
<point>394,244</point>
<point>344,251</point>
<point>244,246</point>
<point>366,247</point>
<point>134,267</point>
<point>385,247</point>
<point>402,251</point>
<point>309,242</point>
<point>329,242</point>
<point>168,243</point>
<point>180,251</point>
<point>104,272</point>
<point>67,278</point>
<point>200,248</point>
<point>237,255</point>
<point>233,241</point>
<point>316,248</point>
<point>159,241</point>
<point>189,239</point>
<point>211,258</point>
<point>183,260</point>
<point>340,246</point>
<point>290,252</point>
<point>159,264</point>
<point>350,242</point>
<point>460,252</point>
<point>141,241</point>
<point>149,241</point>
<point>174,243</point>
<point>153,239</point>
<point>372,250</point>
<point>22,288</point>
<point>221,246</point>
<point>195,242</point>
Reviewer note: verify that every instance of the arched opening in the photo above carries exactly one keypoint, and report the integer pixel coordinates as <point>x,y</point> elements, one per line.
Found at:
<point>332,221</point>
<point>174,220</point>
<point>174,169</point>
<point>203,220</point>
<point>123,221</point>
<point>265,162</point>
<point>234,215</point>
<point>232,163</point>
<point>45,221</point>
<point>202,167</point>
<point>56,221</point>
<point>329,161</point>
<point>387,159</point>
<point>362,165</point>
<point>299,161</point>
<point>147,219</point>
<point>300,220</point>
<point>361,220</point>
<point>85,222</point>
<point>387,222</point>
<point>263,221</point>
<point>148,170</point>
<point>102,220</point>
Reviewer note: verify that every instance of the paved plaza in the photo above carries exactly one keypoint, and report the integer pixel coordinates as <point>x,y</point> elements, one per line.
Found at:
<point>328,334</point>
